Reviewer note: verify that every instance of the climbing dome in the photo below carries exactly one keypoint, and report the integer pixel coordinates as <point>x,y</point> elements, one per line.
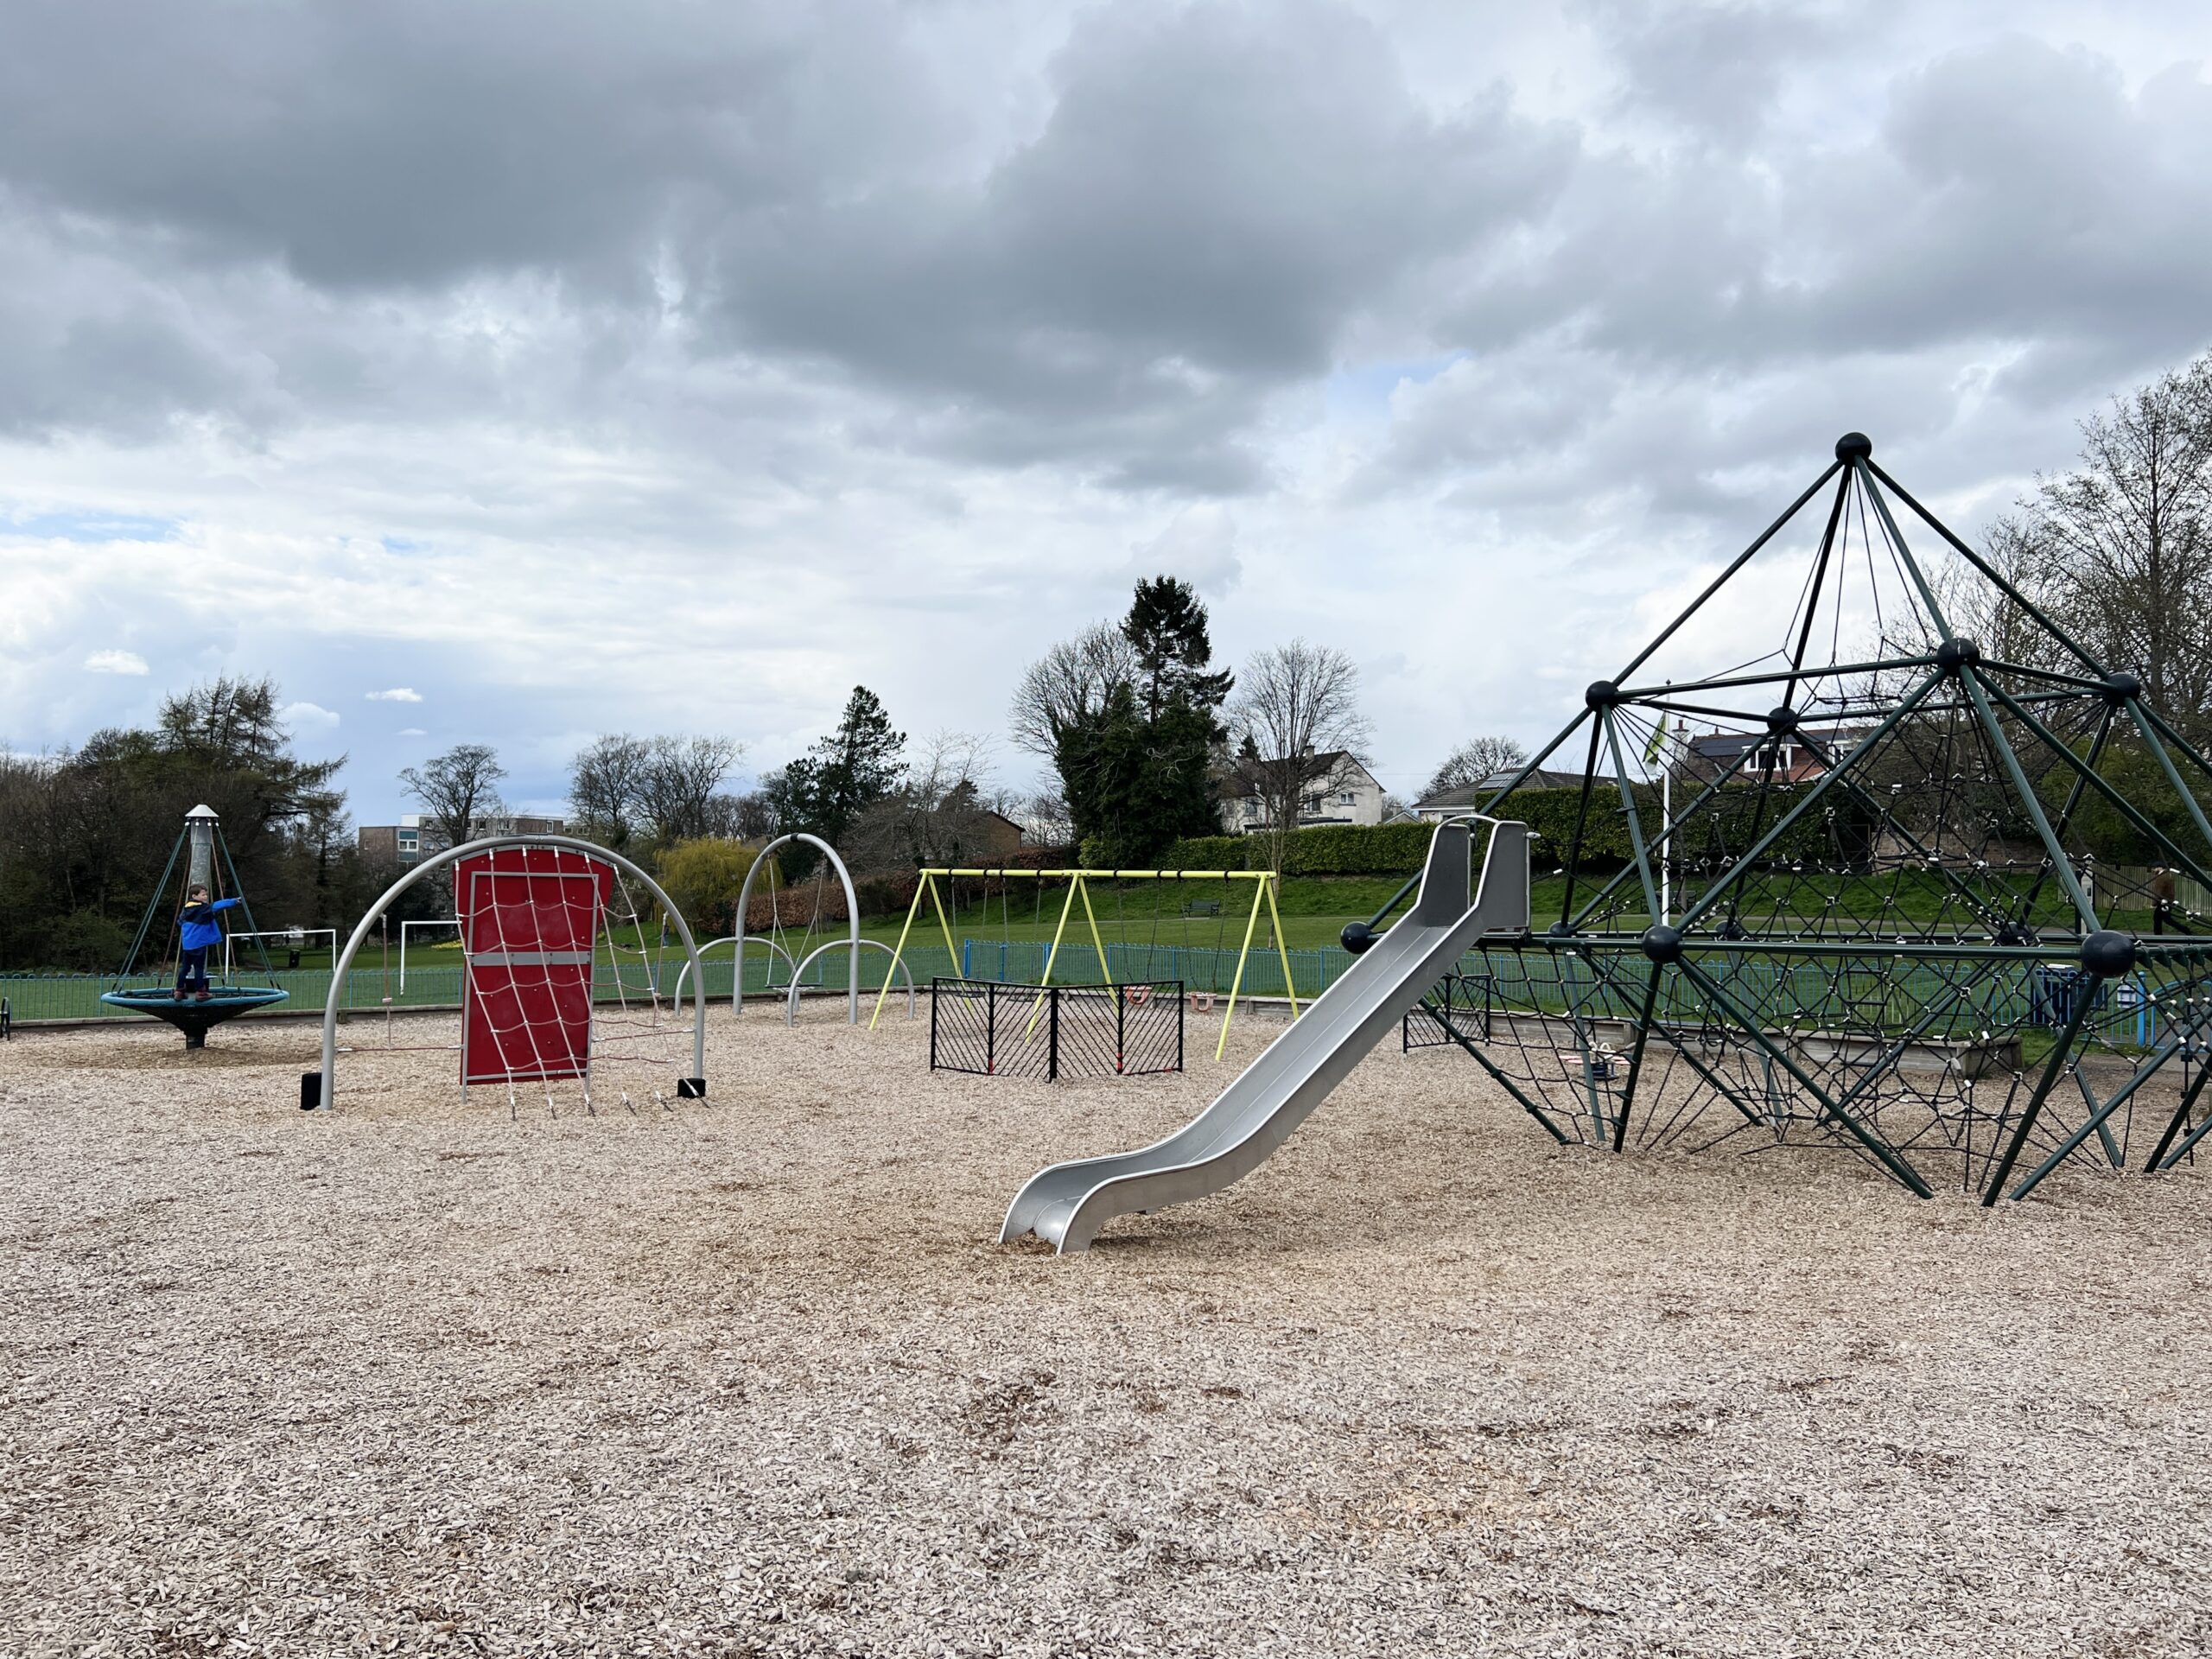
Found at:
<point>1883,890</point>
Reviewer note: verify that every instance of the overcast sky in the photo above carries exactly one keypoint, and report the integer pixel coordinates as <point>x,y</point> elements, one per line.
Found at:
<point>514,373</point>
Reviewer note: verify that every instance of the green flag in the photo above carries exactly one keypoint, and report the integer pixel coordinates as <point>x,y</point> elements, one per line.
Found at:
<point>1651,750</point>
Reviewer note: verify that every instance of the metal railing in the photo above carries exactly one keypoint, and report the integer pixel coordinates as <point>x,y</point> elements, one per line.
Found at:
<point>990,1028</point>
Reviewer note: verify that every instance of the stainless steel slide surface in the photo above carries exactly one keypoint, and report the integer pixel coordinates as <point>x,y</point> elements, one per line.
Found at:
<point>1066,1203</point>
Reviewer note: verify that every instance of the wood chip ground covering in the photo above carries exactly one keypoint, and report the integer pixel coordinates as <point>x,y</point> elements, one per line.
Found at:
<point>752,1377</point>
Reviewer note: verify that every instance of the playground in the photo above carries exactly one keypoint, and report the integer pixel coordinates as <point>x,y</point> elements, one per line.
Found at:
<point>750,1375</point>
<point>1770,1222</point>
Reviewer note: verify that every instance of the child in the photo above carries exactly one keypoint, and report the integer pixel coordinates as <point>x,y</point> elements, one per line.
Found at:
<point>200,930</point>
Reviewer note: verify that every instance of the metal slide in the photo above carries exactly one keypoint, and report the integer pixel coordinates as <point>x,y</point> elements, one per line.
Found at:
<point>1066,1203</point>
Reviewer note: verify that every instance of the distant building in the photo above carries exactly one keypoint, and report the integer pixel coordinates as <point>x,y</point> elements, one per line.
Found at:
<point>404,842</point>
<point>1002,836</point>
<point>1433,809</point>
<point>1344,792</point>
<point>1793,760</point>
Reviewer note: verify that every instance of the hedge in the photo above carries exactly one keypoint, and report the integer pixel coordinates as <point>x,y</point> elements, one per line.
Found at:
<point>1326,849</point>
<point>1833,829</point>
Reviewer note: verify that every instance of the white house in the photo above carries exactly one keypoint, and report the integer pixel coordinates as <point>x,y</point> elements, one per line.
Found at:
<point>1347,793</point>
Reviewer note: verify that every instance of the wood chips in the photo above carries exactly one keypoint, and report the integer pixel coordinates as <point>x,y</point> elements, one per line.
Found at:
<point>750,1375</point>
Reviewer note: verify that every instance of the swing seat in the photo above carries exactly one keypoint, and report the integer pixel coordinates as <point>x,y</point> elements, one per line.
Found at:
<point>192,1018</point>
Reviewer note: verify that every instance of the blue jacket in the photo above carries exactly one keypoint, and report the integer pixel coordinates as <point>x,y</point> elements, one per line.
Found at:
<point>200,927</point>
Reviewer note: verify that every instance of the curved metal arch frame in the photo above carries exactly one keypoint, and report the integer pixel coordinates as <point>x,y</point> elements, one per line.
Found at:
<point>326,1096</point>
<point>790,999</point>
<point>727,938</point>
<point>852,919</point>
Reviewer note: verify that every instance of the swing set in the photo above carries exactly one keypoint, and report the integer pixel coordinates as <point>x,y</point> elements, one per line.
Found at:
<point>1263,896</point>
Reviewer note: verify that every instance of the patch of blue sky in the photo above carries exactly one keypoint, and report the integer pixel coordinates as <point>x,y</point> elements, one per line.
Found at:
<point>90,528</point>
<point>1361,391</point>
<point>402,544</point>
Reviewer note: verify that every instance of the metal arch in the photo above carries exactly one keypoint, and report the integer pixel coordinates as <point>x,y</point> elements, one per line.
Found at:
<point>326,1097</point>
<point>852,919</point>
<point>727,938</point>
<point>791,1001</point>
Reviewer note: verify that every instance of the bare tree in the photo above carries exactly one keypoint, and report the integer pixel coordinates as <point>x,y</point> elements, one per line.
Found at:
<point>1297,729</point>
<point>1043,818</point>
<point>1472,761</point>
<point>677,784</point>
<point>939,814</point>
<point>606,787</point>
<point>2119,549</point>
<point>456,789</point>
<point>1070,684</point>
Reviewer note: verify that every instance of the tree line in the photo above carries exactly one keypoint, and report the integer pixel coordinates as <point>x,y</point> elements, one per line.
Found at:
<point>1147,741</point>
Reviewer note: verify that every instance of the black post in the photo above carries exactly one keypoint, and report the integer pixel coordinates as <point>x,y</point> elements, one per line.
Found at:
<point>1121,1027</point>
<point>991,1029</point>
<point>1052,1039</point>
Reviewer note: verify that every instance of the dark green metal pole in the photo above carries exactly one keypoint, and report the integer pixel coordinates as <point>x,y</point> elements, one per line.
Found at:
<point>1636,1057</point>
<point>1827,781</point>
<point>2061,865</point>
<point>1891,1160</point>
<point>2086,991</point>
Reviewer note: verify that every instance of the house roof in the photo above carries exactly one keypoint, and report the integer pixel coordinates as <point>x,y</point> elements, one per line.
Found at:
<point>1336,761</point>
<point>1473,794</point>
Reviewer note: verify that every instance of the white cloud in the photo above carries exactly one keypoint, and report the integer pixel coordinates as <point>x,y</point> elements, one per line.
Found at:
<point>308,716</point>
<point>411,731</point>
<point>115,662</point>
<point>397,694</point>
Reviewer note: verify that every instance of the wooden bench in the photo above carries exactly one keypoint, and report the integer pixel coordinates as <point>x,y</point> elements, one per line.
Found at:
<point>1202,907</point>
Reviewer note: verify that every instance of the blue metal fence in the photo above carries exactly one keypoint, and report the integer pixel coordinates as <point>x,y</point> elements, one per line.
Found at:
<point>1201,968</point>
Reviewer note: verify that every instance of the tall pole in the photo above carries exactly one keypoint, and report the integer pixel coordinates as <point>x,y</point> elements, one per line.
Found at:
<point>199,825</point>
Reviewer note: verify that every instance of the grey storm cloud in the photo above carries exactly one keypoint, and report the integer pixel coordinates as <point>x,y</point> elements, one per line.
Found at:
<point>823,317</point>
<point>1214,195</point>
<point>222,221</point>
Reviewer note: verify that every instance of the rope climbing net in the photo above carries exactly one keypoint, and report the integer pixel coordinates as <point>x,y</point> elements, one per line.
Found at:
<point>1877,890</point>
<point>569,984</point>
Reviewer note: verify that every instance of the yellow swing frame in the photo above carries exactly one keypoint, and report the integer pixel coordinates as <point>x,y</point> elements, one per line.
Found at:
<point>1263,892</point>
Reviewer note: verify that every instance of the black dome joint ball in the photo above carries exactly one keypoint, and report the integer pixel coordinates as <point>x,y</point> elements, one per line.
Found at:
<point>2108,954</point>
<point>1602,694</point>
<point>1355,937</point>
<point>2121,689</point>
<point>1957,652</point>
<point>1781,721</point>
<point>1853,446</point>
<point>1662,944</point>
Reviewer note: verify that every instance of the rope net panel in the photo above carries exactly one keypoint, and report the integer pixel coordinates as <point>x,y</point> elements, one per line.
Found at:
<point>560,983</point>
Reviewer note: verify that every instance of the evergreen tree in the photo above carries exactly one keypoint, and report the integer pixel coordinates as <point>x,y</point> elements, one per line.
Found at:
<point>856,766</point>
<point>1166,626</point>
<point>824,792</point>
<point>1136,762</point>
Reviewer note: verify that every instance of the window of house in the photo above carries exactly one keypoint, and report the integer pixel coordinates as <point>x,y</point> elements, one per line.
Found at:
<point>1346,799</point>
